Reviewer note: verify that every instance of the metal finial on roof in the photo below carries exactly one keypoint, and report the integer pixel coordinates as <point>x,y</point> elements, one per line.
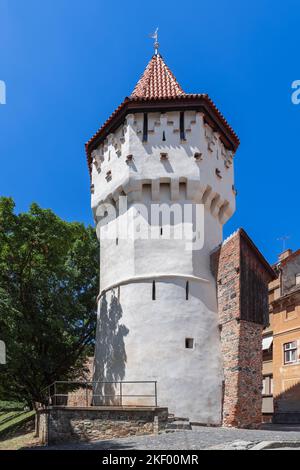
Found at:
<point>284,240</point>
<point>156,43</point>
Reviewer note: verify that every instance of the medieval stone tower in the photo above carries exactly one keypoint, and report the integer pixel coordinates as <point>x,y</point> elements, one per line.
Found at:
<point>157,306</point>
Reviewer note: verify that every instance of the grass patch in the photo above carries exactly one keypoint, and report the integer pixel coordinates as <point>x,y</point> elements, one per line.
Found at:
<point>22,441</point>
<point>12,421</point>
<point>5,417</point>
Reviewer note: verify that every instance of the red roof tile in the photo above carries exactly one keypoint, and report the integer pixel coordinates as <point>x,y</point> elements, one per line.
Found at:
<point>157,81</point>
<point>158,86</point>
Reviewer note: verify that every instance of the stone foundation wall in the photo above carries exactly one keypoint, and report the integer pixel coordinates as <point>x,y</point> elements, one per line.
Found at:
<point>58,425</point>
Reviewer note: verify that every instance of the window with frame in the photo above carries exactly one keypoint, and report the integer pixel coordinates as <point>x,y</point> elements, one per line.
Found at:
<point>267,385</point>
<point>290,352</point>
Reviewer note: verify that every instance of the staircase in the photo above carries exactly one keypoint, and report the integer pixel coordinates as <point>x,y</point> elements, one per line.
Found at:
<point>177,424</point>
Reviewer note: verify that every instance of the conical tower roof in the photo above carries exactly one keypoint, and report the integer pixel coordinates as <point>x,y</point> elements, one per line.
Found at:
<point>157,81</point>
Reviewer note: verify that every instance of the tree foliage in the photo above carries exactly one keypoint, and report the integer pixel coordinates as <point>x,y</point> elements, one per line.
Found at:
<point>48,289</point>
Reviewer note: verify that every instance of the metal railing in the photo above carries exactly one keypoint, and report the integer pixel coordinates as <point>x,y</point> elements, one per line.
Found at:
<point>97,393</point>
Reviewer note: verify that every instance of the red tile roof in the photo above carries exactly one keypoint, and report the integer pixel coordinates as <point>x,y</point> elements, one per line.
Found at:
<point>157,81</point>
<point>158,88</point>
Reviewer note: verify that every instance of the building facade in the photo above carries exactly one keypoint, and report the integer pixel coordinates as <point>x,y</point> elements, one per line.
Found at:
<point>281,343</point>
<point>158,316</point>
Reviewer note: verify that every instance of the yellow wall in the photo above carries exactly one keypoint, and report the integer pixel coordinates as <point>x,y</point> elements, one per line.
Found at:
<point>286,328</point>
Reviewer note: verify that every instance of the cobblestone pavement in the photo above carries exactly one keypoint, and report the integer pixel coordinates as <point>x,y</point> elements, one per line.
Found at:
<point>198,438</point>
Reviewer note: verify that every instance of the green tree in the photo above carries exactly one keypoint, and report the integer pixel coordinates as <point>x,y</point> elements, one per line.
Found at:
<point>48,290</point>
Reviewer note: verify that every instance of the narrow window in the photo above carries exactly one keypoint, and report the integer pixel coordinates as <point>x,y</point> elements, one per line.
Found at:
<point>181,125</point>
<point>117,241</point>
<point>187,287</point>
<point>290,352</point>
<point>161,230</point>
<point>189,343</point>
<point>164,136</point>
<point>267,390</point>
<point>264,384</point>
<point>153,291</point>
<point>119,293</point>
<point>145,128</point>
<point>297,279</point>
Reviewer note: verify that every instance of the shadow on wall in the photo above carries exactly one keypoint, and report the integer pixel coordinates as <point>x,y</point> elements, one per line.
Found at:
<point>288,402</point>
<point>110,354</point>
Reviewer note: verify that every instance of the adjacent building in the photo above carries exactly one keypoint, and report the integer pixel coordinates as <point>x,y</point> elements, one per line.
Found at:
<point>281,343</point>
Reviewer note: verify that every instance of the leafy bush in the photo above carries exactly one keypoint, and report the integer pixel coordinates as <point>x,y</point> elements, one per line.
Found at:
<point>11,405</point>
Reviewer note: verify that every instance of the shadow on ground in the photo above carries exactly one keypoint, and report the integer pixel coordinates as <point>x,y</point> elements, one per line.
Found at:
<point>98,445</point>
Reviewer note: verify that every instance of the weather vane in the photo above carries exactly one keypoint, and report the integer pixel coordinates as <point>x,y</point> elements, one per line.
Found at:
<point>283,240</point>
<point>156,43</point>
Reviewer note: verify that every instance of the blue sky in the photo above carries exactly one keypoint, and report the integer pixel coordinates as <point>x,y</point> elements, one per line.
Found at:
<point>68,63</point>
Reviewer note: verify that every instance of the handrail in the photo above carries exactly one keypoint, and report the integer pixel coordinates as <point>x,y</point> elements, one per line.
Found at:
<point>53,398</point>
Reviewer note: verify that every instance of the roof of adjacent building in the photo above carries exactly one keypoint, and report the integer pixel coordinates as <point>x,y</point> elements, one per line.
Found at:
<point>288,259</point>
<point>240,232</point>
<point>158,90</point>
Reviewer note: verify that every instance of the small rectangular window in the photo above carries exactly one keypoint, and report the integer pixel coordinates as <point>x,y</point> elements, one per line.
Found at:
<point>187,288</point>
<point>267,385</point>
<point>290,352</point>
<point>181,126</point>
<point>264,384</point>
<point>145,128</point>
<point>189,343</point>
<point>153,291</point>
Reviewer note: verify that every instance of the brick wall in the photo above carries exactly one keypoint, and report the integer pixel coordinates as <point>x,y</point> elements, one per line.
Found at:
<point>242,277</point>
<point>242,362</point>
<point>83,395</point>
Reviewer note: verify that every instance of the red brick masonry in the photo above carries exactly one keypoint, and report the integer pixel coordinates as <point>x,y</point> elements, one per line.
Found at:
<point>242,276</point>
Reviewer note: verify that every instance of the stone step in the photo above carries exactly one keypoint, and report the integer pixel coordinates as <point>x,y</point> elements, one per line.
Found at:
<point>182,424</point>
<point>172,418</point>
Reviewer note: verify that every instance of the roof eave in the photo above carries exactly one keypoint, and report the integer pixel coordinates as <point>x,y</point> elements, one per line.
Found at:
<point>183,102</point>
<point>259,254</point>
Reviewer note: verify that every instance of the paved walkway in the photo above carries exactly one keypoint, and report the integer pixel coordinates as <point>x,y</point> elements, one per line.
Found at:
<point>198,438</point>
